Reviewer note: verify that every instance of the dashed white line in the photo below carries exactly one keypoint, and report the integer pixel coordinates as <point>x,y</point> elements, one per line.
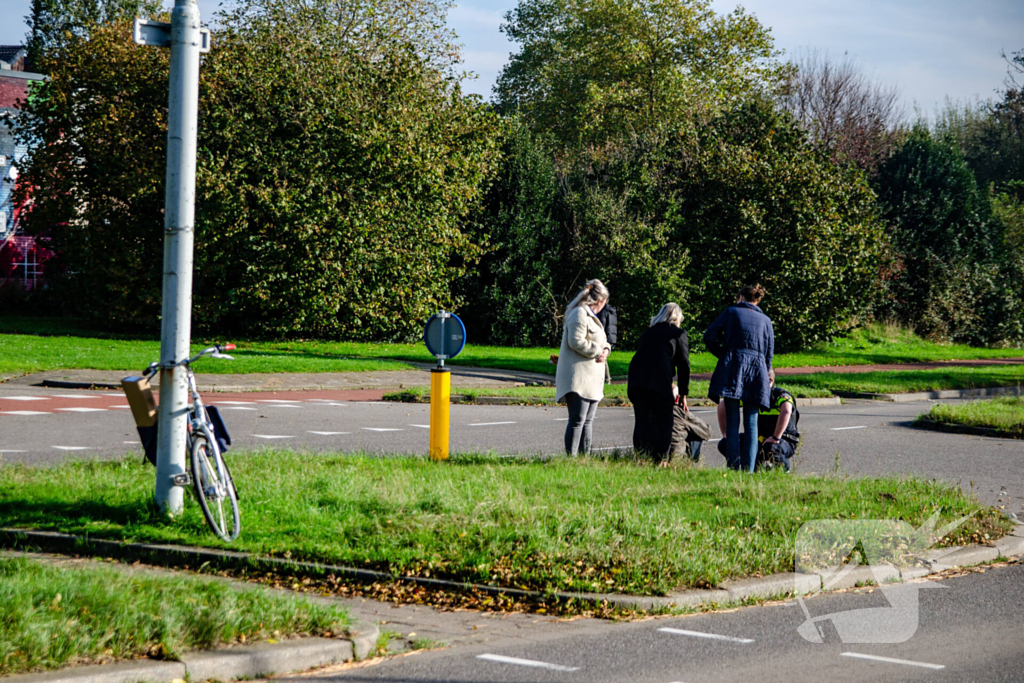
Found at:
<point>24,412</point>
<point>329,433</point>
<point>489,424</point>
<point>840,429</point>
<point>502,659</point>
<point>72,396</point>
<point>273,436</point>
<point>561,419</point>
<point>24,398</point>
<point>892,660</point>
<point>121,407</point>
<point>72,448</point>
<point>234,403</point>
<point>611,448</point>
<point>340,405</point>
<point>83,410</point>
<point>421,426</point>
<point>275,400</point>
<point>701,634</point>
<point>12,451</point>
<point>238,408</point>
<point>382,429</point>
<point>133,442</point>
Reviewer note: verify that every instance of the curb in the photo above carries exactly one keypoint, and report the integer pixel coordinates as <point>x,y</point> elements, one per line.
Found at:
<point>932,395</point>
<point>462,399</point>
<point>731,591</point>
<point>965,429</point>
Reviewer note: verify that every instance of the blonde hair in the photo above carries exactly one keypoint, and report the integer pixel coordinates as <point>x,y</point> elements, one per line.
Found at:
<point>670,313</point>
<point>593,292</point>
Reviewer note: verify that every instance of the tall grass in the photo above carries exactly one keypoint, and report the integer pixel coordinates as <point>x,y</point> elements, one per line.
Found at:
<point>52,616</point>
<point>567,524</point>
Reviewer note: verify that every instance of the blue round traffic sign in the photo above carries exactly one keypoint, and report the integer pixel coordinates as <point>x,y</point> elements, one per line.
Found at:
<point>444,335</point>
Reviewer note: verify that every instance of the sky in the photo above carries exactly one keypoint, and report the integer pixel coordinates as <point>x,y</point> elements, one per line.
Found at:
<point>931,49</point>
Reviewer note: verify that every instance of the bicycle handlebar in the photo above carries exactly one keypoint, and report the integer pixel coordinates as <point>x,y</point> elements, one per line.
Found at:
<point>217,348</point>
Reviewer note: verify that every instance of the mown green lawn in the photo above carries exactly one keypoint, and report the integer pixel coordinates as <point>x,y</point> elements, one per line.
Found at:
<point>1003,414</point>
<point>37,344</point>
<point>57,616</point>
<point>569,524</point>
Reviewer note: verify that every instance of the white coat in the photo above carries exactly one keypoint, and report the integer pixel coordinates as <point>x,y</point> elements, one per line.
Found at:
<point>583,340</point>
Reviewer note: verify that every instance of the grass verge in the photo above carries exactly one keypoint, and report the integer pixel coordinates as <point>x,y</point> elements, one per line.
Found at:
<point>29,344</point>
<point>605,525</point>
<point>1004,415</point>
<point>55,616</point>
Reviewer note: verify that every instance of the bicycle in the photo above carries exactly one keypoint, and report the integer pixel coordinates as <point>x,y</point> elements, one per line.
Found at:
<point>211,480</point>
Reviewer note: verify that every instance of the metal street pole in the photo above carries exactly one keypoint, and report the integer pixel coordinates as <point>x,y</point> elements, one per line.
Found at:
<point>186,42</point>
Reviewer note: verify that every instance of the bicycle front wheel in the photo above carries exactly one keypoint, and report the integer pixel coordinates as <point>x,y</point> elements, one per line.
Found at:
<point>215,489</point>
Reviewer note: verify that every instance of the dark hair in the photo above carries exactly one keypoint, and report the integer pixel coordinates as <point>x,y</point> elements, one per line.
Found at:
<point>753,294</point>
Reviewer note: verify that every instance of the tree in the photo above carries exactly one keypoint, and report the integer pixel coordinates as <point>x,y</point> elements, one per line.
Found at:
<point>944,238</point>
<point>52,22</point>
<point>753,201</point>
<point>332,185</point>
<point>846,114</point>
<point>593,71</point>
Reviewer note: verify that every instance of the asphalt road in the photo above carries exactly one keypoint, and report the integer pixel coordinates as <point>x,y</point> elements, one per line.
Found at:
<point>968,631</point>
<point>44,426</point>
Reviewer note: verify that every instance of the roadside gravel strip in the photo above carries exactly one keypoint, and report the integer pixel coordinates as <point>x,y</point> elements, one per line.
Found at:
<point>730,592</point>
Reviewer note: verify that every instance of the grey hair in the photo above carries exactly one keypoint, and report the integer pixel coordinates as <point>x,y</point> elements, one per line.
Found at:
<point>669,313</point>
<point>593,292</point>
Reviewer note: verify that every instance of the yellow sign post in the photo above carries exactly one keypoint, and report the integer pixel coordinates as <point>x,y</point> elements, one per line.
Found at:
<point>440,400</point>
<point>445,337</point>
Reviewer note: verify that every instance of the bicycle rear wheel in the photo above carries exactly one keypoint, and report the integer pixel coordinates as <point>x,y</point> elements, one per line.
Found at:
<point>215,489</point>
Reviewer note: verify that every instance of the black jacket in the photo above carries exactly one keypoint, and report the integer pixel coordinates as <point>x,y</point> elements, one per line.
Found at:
<point>661,352</point>
<point>609,319</point>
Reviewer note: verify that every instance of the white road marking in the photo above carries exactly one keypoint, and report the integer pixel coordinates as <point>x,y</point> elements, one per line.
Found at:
<point>501,659</point>
<point>239,408</point>
<point>73,396</point>
<point>121,407</point>
<point>714,440</point>
<point>13,451</point>
<point>421,426</point>
<point>134,442</point>
<point>72,448</point>
<point>611,448</point>
<point>381,429</point>
<point>892,660</point>
<point>275,400</point>
<point>489,424</point>
<point>282,405</point>
<point>24,398</point>
<point>340,405</point>
<point>24,412</point>
<point>234,403</point>
<point>83,410</point>
<point>273,436</point>
<point>329,433</point>
<point>700,634</point>
<point>561,419</point>
<point>839,429</point>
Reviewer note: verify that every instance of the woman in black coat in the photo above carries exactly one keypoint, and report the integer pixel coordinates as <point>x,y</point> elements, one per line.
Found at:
<point>743,340</point>
<point>661,353</point>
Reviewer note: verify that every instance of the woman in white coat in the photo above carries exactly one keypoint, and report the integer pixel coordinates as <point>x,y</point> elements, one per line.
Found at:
<point>579,378</point>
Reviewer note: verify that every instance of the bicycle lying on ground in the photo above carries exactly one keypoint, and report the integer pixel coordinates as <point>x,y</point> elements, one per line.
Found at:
<point>207,439</point>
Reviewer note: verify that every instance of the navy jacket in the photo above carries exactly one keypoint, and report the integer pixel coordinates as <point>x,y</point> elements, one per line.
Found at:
<point>743,341</point>
<point>661,352</point>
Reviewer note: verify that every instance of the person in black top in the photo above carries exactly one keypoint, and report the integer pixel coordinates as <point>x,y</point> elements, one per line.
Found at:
<point>661,353</point>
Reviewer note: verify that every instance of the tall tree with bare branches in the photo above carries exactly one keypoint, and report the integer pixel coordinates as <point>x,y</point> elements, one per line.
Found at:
<point>845,113</point>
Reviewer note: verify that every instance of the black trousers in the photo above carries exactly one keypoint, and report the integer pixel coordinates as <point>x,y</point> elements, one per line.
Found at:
<point>652,431</point>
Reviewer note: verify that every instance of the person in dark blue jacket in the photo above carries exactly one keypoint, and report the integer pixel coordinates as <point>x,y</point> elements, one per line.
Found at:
<point>743,340</point>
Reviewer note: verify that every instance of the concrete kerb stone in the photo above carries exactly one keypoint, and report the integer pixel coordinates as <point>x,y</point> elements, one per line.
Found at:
<point>772,586</point>
<point>965,556</point>
<point>862,575</point>
<point>266,658</point>
<point>1010,546</point>
<point>933,395</point>
<point>135,671</point>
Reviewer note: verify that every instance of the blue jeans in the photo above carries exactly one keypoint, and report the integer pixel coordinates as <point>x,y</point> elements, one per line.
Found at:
<point>740,454</point>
